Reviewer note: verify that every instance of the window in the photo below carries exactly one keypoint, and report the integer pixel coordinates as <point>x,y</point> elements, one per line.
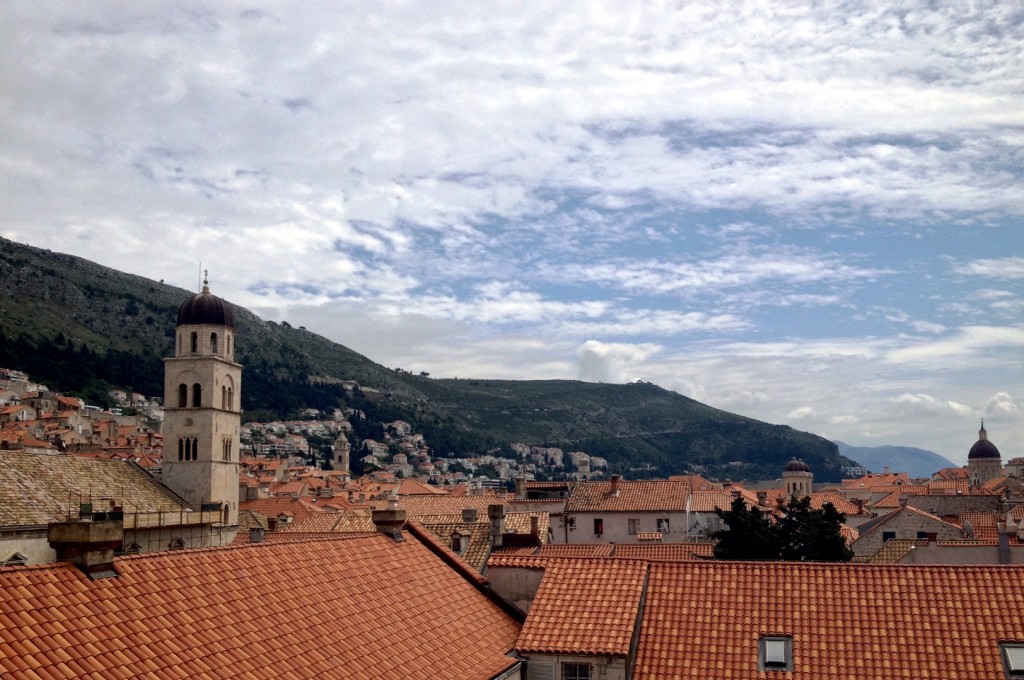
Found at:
<point>224,398</point>
<point>634,527</point>
<point>195,342</point>
<point>922,534</point>
<point>572,524</point>
<point>775,653</point>
<point>1013,659</point>
<point>182,395</point>
<point>888,536</point>
<point>663,526</point>
<point>598,526</point>
<point>576,671</point>
<point>213,343</point>
<point>181,449</point>
<point>197,395</point>
<point>228,348</point>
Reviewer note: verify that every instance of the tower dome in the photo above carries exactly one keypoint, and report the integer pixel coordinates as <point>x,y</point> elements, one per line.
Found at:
<point>983,448</point>
<point>797,465</point>
<point>205,308</point>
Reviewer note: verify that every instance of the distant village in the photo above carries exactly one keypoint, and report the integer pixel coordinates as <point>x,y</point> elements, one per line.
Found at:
<point>165,538</point>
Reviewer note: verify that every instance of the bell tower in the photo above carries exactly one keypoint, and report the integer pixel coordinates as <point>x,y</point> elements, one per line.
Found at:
<point>202,407</point>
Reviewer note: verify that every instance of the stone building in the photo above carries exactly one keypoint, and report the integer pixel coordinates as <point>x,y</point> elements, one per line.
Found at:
<point>983,461</point>
<point>202,407</point>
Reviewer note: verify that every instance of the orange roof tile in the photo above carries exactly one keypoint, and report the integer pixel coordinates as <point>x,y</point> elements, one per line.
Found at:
<point>601,622</point>
<point>632,496</point>
<point>704,619</point>
<point>359,608</point>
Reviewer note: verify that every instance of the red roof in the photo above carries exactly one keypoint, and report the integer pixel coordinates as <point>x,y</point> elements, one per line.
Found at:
<point>629,496</point>
<point>366,607</point>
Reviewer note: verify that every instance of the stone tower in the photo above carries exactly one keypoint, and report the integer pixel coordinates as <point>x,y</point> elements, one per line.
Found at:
<point>798,478</point>
<point>202,407</point>
<point>983,461</point>
<point>342,451</point>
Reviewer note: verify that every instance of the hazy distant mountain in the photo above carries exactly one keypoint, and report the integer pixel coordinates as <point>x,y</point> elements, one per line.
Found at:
<point>81,327</point>
<point>916,462</point>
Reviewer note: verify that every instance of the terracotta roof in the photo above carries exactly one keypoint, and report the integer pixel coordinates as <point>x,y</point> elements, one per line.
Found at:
<point>633,496</point>
<point>674,552</point>
<point>561,621</point>
<point>416,506</point>
<point>273,507</point>
<point>704,619</point>
<point>414,487</point>
<point>39,488</point>
<point>838,502</point>
<point>564,550</point>
<point>361,608</point>
<point>707,501</point>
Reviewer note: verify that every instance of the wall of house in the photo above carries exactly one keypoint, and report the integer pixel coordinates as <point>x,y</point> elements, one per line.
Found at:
<point>906,526</point>
<point>955,504</point>
<point>603,667</point>
<point>30,543</point>
<point>936,553</point>
<point>616,526</point>
<point>515,585</point>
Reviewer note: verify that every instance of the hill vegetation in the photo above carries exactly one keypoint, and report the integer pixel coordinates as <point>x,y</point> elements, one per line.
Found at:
<point>79,327</point>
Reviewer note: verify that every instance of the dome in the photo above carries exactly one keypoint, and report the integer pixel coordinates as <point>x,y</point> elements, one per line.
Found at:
<point>797,465</point>
<point>205,308</point>
<point>983,448</point>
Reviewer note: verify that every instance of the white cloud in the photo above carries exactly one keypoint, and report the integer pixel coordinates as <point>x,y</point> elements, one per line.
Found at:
<point>801,413</point>
<point>613,362</point>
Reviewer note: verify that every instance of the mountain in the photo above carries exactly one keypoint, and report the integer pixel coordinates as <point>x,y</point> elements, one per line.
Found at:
<point>913,461</point>
<point>81,327</point>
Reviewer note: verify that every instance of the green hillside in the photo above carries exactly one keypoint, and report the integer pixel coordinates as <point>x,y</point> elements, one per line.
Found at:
<point>80,327</point>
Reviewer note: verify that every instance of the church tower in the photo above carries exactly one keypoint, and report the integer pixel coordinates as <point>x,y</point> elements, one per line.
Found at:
<point>202,407</point>
<point>983,460</point>
<point>798,478</point>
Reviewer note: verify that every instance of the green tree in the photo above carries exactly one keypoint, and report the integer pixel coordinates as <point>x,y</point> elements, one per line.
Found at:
<point>750,536</point>
<point>799,533</point>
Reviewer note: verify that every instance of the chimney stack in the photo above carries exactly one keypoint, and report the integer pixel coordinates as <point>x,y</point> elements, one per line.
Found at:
<point>535,525</point>
<point>521,488</point>
<point>762,498</point>
<point>390,522</point>
<point>496,515</point>
<point>615,485</point>
<point>859,502</point>
<point>469,515</point>
<point>256,535</point>
<point>88,544</point>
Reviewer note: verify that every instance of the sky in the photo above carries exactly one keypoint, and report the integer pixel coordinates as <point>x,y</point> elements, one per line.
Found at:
<point>809,214</point>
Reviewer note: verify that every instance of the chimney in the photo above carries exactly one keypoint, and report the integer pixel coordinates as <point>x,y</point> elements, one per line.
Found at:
<point>88,544</point>
<point>1004,543</point>
<point>521,488</point>
<point>496,515</point>
<point>762,498</point>
<point>271,524</point>
<point>615,485</point>
<point>535,525</point>
<point>469,515</point>
<point>256,535</point>
<point>390,522</point>
<point>859,502</point>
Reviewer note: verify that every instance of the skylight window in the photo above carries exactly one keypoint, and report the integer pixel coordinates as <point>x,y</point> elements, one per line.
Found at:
<point>1013,659</point>
<point>775,653</point>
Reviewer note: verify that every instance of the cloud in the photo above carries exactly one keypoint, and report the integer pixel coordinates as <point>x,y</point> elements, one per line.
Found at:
<point>612,362</point>
<point>801,413</point>
<point>1011,268</point>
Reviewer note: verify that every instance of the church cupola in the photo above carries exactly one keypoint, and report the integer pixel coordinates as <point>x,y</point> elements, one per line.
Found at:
<point>984,461</point>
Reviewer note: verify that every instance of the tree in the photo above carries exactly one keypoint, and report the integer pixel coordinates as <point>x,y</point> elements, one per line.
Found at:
<point>750,536</point>
<point>799,533</point>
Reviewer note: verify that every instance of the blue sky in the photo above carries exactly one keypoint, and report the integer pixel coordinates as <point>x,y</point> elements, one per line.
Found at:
<point>806,215</point>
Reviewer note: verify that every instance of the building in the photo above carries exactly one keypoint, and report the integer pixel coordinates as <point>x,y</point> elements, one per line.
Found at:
<point>202,407</point>
<point>983,460</point>
<point>798,479</point>
<point>616,619</point>
<point>386,605</point>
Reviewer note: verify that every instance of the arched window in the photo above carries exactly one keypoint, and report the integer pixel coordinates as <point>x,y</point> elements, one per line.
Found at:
<point>195,448</point>
<point>197,395</point>
<point>195,342</point>
<point>231,398</point>
<point>182,395</point>
<point>181,449</point>
<point>224,397</point>
<point>213,343</point>
<point>228,348</point>
<point>227,448</point>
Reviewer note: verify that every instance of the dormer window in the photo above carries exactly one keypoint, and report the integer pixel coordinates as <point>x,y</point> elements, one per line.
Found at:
<point>775,653</point>
<point>1013,659</point>
<point>15,560</point>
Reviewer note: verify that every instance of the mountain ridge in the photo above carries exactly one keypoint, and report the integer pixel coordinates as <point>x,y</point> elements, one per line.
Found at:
<point>61,305</point>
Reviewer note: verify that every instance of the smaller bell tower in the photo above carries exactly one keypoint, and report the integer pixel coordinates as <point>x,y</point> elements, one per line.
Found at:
<point>202,407</point>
